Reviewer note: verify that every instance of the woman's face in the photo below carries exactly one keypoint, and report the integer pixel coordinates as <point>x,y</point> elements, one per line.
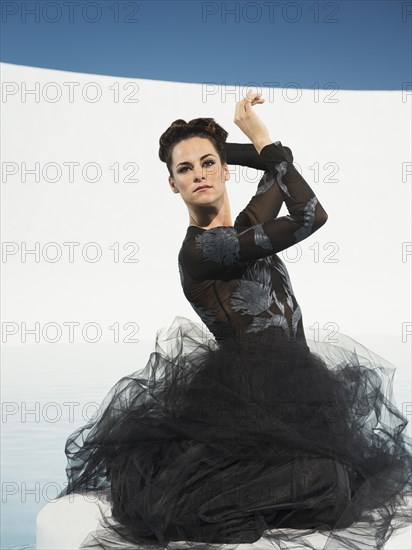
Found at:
<point>195,162</point>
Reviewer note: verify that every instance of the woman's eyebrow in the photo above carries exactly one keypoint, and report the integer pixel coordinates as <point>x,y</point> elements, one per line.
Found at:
<point>201,158</point>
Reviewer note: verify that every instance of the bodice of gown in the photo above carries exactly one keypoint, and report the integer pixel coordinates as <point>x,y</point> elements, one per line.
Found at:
<point>232,275</point>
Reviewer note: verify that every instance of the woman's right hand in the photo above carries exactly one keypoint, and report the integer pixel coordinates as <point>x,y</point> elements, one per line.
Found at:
<point>248,121</point>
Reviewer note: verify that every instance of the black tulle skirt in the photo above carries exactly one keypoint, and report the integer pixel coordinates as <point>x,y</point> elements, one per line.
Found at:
<point>252,438</point>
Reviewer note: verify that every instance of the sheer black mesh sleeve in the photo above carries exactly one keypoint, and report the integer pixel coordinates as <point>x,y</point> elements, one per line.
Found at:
<point>266,203</point>
<point>214,251</point>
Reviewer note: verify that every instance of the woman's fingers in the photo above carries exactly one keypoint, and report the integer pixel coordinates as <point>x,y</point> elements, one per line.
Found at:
<point>252,98</point>
<point>246,118</point>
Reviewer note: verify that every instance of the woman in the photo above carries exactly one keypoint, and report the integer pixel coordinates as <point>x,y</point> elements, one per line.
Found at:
<point>243,432</point>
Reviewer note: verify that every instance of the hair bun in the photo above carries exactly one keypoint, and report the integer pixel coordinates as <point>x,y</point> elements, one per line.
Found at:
<point>180,130</point>
<point>211,126</point>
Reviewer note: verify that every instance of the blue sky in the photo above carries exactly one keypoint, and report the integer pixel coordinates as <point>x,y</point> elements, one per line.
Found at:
<point>354,44</point>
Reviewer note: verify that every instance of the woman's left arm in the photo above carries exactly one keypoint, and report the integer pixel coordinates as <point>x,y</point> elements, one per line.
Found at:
<point>267,201</point>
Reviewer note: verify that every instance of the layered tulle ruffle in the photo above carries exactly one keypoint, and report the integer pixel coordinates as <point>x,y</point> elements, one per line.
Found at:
<point>252,438</point>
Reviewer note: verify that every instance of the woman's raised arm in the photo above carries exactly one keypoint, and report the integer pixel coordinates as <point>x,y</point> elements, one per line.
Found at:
<point>268,199</point>
<point>214,251</point>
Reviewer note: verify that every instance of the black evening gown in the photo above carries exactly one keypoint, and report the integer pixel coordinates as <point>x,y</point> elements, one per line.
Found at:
<point>238,428</point>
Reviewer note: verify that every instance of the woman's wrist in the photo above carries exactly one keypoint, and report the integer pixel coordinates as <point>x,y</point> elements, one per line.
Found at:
<point>261,142</point>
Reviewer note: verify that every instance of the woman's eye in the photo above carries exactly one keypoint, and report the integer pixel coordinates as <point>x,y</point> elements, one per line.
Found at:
<point>182,170</point>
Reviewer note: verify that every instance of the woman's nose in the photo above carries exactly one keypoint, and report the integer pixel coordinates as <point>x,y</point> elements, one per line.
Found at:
<point>198,173</point>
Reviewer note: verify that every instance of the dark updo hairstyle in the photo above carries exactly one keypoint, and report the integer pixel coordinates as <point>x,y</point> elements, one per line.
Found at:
<point>198,127</point>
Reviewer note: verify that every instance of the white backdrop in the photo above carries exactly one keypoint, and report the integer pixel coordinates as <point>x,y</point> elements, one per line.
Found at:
<point>353,148</point>
<point>355,153</point>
